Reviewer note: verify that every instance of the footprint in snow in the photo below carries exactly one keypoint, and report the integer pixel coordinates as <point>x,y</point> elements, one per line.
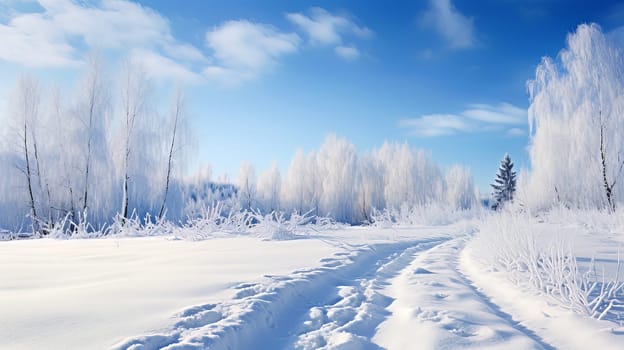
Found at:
<point>422,271</point>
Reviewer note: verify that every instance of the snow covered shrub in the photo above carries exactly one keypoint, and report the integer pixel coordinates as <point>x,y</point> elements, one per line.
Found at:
<point>596,220</point>
<point>275,226</point>
<point>135,227</point>
<point>216,219</point>
<point>428,215</point>
<point>279,226</point>
<point>531,256</point>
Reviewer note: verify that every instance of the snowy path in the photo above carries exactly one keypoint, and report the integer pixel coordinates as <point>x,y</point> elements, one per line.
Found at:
<point>436,307</point>
<point>401,295</point>
<point>356,306</point>
<point>270,315</point>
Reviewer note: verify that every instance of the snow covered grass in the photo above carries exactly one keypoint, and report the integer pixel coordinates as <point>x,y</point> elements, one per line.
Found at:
<point>422,215</point>
<point>215,221</point>
<point>541,257</point>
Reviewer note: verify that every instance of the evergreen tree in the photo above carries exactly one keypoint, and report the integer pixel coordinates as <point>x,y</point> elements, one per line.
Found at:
<point>505,183</point>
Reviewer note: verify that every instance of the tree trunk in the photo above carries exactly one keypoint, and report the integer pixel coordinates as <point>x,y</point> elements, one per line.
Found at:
<point>608,188</point>
<point>33,209</point>
<point>170,160</point>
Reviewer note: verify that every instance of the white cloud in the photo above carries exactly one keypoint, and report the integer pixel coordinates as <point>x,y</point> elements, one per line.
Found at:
<point>349,53</point>
<point>63,32</point>
<point>325,29</point>
<point>244,49</point>
<point>476,118</point>
<point>437,125</point>
<point>162,67</point>
<point>34,41</point>
<point>516,132</point>
<point>112,24</point>
<point>456,28</point>
<point>503,113</point>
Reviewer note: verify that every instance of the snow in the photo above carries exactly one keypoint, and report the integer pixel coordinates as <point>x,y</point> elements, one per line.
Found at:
<point>351,288</point>
<point>438,307</point>
<point>560,328</point>
<point>79,294</point>
<point>590,236</point>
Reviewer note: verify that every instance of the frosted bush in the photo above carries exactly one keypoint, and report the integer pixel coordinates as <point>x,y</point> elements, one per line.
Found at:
<point>531,258</point>
<point>275,226</point>
<point>428,215</point>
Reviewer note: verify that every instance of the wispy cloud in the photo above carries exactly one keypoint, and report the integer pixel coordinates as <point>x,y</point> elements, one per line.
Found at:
<point>437,125</point>
<point>326,29</point>
<point>163,67</point>
<point>456,28</point>
<point>61,33</point>
<point>243,49</point>
<point>64,31</point>
<point>503,117</point>
<point>347,52</point>
<point>503,113</point>
<point>516,132</point>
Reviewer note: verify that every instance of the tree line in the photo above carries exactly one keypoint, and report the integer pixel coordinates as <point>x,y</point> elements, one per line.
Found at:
<point>101,152</point>
<point>105,153</point>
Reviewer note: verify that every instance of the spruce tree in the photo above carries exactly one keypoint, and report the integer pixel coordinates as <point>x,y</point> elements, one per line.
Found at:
<point>505,183</point>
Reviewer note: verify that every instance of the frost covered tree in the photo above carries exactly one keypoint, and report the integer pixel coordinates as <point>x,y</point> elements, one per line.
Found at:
<point>246,183</point>
<point>460,190</point>
<point>26,112</point>
<point>81,156</point>
<point>134,95</point>
<point>577,105</point>
<point>177,121</point>
<point>410,176</point>
<point>93,113</point>
<point>337,162</point>
<point>294,185</point>
<point>504,187</point>
<point>313,183</point>
<point>369,191</point>
<point>269,187</point>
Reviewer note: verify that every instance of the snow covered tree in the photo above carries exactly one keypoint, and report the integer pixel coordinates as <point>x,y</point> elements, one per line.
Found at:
<point>269,185</point>
<point>337,162</point>
<point>178,119</point>
<point>505,183</point>
<point>460,190</point>
<point>93,148</point>
<point>370,187</point>
<point>27,110</point>
<point>577,105</point>
<point>134,92</point>
<point>247,186</point>
<point>294,187</point>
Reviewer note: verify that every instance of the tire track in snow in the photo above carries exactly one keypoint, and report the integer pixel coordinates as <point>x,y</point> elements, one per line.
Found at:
<point>497,310</point>
<point>350,320</point>
<point>435,306</point>
<point>271,314</point>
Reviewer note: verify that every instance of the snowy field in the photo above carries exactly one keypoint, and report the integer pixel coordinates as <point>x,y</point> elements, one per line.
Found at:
<point>121,229</point>
<point>352,288</point>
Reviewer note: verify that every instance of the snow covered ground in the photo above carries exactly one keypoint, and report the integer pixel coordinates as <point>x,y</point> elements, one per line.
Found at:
<point>354,288</point>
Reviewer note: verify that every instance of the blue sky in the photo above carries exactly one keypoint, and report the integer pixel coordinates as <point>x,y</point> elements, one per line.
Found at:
<point>267,77</point>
